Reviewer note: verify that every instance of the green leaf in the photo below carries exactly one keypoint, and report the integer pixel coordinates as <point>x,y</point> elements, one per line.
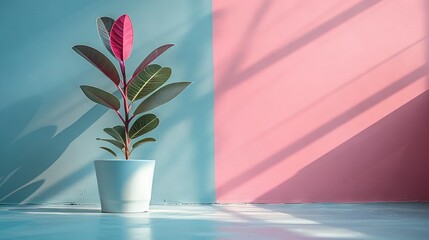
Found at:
<point>147,81</point>
<point>140,142</point>
<point>121,130</point>
<point>144,140</point>
<point>101,97</point>
<point>109,150</point>
<point>104,25</point>
<point>118,144</point>
<point>144,124</point>
<point>163,95</point>
<point>100,61</point>
<point>117,132</point>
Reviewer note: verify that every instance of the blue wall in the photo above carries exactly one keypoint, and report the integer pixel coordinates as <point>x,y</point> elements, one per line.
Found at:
<point>48,128</point>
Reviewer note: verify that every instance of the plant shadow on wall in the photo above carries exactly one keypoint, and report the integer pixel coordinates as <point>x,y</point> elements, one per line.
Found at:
<point>31,154</point>
<point>26,157</point>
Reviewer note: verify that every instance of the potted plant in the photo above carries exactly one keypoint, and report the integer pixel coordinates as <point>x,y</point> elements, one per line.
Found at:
<point>125,185</point>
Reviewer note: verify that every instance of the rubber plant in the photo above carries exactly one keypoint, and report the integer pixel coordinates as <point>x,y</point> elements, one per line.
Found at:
<point>143,89</point>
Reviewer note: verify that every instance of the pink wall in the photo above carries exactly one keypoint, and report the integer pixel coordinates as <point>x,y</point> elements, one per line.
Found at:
<point>321,100</point>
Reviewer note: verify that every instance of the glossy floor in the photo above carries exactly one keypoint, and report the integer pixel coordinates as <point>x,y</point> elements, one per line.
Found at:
<point>284,221</point>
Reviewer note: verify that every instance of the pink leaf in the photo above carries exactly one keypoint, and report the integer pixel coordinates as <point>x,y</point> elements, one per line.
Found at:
<point>121,37</point>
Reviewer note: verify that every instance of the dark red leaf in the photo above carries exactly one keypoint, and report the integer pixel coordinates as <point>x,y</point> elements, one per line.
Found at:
<point>152,56</point>
<point>99,60</point>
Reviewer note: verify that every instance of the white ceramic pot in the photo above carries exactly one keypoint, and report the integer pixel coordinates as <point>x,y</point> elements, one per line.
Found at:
<point>124,186</point>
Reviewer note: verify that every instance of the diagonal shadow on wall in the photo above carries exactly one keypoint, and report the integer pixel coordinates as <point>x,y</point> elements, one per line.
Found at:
<point>391,153</point>
<point>342,87</point>
<point>239,76</point>
<point>326,128</point>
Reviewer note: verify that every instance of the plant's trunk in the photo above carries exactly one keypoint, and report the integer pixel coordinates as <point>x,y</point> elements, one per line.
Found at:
<point>126,111</point>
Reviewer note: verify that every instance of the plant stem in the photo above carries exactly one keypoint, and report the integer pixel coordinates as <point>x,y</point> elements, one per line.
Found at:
<point>120,116</point>
<point>126,110</point>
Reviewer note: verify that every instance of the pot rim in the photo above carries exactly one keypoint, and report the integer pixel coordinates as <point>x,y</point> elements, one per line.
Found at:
<point>123,160</point>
